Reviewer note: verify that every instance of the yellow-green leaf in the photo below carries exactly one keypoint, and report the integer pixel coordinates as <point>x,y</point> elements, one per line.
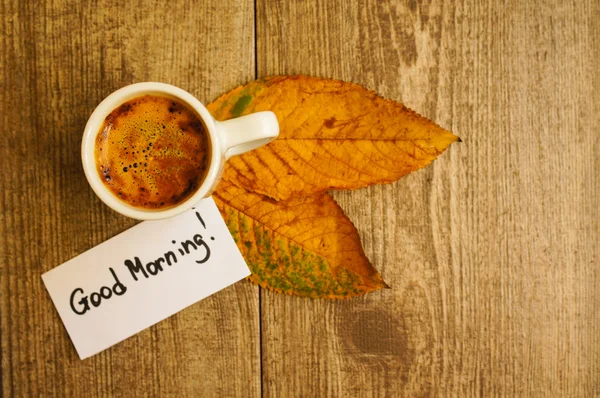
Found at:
<point>301,246</point>
<point>333,135</point>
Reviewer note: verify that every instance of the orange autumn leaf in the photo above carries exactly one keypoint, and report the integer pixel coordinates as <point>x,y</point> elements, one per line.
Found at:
<point>333,135</point>
<point>302,246</point>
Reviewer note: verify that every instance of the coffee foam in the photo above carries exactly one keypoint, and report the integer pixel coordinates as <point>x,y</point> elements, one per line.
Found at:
<point>152,152</point>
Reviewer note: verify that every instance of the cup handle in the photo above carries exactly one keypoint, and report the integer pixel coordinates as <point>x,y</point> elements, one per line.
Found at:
<point>248,132</point>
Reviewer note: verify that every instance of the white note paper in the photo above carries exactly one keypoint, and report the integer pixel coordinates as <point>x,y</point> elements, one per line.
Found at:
<point>143,276</point>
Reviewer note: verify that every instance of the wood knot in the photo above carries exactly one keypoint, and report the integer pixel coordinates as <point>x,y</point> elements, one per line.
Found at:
<point>377,335</point>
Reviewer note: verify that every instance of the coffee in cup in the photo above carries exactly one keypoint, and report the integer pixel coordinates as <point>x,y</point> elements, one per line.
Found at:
<point>152,152</point>
<point>171,168</point>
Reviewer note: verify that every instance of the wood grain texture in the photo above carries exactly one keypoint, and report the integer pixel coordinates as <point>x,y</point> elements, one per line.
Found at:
<point>492,253</point>
<point>59,59</point>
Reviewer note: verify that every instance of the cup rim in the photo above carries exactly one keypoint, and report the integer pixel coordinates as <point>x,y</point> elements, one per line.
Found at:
<point>95,122</point>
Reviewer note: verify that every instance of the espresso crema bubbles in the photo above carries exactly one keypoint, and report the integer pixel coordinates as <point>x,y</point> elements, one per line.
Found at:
<point>152,152</point>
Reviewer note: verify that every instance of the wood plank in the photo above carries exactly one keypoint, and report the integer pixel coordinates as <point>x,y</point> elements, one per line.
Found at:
<point>492,252</point>
<point>59,60</point>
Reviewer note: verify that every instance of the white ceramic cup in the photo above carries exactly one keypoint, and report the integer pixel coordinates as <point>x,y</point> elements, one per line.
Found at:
<point>229,138</point>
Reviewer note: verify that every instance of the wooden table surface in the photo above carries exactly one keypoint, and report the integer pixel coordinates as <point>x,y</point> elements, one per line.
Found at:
<point>492,252</point>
